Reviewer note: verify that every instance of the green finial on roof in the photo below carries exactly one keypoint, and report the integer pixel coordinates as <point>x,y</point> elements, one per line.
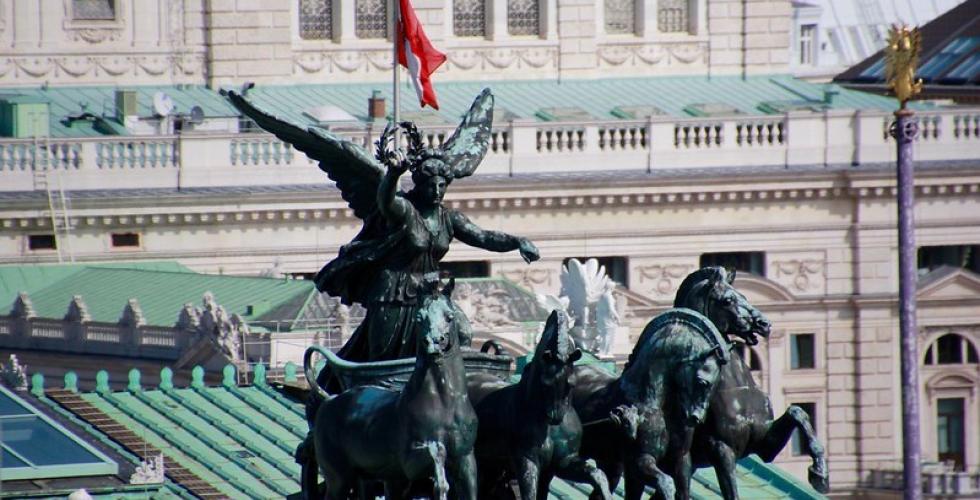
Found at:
<point>134,381</point>
<point>37,384</point>
<point>290,375</point>
<point>71,382</point>
<point>259,375</point>
<point>166,378</point>
<point>228,376</point>
<point>102,381</point>
<point>197,377</point>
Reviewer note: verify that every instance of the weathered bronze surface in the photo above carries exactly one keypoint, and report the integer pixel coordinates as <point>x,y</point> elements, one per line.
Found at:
<point>528,431</point>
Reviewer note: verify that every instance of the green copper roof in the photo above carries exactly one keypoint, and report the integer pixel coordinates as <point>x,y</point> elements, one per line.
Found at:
<point>603,99</point>
<point>161,290</point>
<point>32,277</point>
<point>240,439</point>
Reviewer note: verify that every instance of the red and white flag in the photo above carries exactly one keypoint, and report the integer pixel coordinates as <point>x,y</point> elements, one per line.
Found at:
<point>416,53</point>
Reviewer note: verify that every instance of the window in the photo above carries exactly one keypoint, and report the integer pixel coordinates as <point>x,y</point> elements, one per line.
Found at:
<point>801,354</point>
<point>469,18</point>
<point>316,19</point>
<point>620,16</point>
<point>951,349</point>
<point>523,17</point>
<point>808,33</point>
<point>125,240</point>
<point>93,10</point>
<point>42,242</point>
<point>465,269</point>
<point>750,262</point>
<point>933,257</point>
<point>950,417</point>
<point>672,16</point>
<point>811,411</point>
<point>617,268</point>
<point>371,18</point>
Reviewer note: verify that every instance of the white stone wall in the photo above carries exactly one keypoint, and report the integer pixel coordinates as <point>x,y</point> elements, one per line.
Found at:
<point>227,42</point>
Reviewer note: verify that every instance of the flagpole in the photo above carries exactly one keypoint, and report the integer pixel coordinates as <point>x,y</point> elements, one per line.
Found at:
<point>396,16</point>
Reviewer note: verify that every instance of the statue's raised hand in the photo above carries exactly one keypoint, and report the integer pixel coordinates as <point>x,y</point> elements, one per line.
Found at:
<point>528,251</point>
<point>393,157</point>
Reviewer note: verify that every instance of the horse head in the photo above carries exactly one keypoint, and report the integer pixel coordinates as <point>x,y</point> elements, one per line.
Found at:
<point>709,291</point>
<point>438,320</point>
<point>679,353</point>
<point>547,375</point>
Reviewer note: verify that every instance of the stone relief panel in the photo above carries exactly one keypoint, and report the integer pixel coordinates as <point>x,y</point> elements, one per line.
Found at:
<point>660,54</point>
<point>536,279</point>
<point>803,273</point>
<point>659,279</point>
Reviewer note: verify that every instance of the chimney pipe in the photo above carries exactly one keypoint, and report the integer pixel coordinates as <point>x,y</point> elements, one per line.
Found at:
<point>376,106</point>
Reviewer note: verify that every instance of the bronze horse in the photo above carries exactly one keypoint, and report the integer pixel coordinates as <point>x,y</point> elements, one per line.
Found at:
<point>529,431</point>
<point>425,431</point>
<point>633,421</point>
<point>740,418</point>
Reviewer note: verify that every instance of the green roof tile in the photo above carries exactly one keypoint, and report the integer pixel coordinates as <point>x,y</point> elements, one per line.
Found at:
<point>161,292</point>
<point>522,99</point>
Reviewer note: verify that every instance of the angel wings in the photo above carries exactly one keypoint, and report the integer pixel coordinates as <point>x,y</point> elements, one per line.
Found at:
<point>358,174</point>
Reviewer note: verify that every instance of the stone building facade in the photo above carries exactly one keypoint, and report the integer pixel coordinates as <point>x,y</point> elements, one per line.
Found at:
<point>801,200</point>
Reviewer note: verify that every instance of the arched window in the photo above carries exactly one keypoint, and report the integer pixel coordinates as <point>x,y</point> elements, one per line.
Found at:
<point>469,18</point>
<point>748,355</point>
<point>951,349</point>
<point>672,16</point>
<point>523,17</point>
<point>371,18</point>
<point>620,16</point>
<point>316,19</point>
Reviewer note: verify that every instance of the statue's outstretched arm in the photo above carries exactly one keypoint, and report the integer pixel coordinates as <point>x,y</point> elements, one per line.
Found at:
<point>495,241</point>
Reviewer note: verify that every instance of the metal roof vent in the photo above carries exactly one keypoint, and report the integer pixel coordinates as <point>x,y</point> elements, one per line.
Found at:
<point>328,115</point>
<point>636,112</point>
<point>712,109</point>
<point>563,114</point>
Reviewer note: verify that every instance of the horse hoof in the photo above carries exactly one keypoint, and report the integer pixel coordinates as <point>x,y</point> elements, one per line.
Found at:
<point>819,481</point>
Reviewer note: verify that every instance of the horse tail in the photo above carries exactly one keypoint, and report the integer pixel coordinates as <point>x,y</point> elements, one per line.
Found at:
<point>317,393</point>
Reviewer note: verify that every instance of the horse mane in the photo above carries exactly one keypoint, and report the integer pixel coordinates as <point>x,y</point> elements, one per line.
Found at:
<point>693,280</point>
<point>669,345</point>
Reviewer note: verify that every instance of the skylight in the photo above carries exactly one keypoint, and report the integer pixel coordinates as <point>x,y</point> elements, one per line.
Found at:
<point>951,53</point>
<point>35,447</point>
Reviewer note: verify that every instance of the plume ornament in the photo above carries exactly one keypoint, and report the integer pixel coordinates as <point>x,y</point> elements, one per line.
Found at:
<point>901,59</point>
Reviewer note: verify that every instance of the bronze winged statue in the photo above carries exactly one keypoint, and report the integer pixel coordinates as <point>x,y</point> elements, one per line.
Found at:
<point>405,234</point>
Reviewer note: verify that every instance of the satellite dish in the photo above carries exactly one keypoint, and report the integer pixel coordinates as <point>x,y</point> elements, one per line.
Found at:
<point>163,105</point>
<point>197,115</point>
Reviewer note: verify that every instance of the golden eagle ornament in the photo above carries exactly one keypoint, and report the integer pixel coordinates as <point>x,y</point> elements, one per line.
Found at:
<point>901,59</point>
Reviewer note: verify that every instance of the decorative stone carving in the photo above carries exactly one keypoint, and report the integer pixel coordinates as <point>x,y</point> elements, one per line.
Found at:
<point>463,59</point>
<point>83,66</point>
<point>13,374</point>
<point>662,279</point>
<point>484,311</point>
<point>588,292</point>
<point>77,311</point>
<point>132,315</point>
<point>530,278</point>
<point>23,307</point>
<point>803,275</point>
<point>647,54</point>
<point>212,321</point>
<point>149,471</point>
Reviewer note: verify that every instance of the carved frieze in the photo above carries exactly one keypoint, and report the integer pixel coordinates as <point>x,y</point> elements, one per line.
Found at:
<point>531,278</point>
<point>660,281</point>
<point>652,54</point>
<point>78,66</point>
<point>369,61</point>
<point>802,273</point>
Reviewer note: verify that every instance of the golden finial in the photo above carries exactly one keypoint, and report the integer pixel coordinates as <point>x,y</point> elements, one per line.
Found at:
<point>901,59</point>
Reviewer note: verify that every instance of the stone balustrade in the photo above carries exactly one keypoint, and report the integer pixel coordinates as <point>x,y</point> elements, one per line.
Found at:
<point>45,334</point>
<point>517,147</point>
<point>935,484</point>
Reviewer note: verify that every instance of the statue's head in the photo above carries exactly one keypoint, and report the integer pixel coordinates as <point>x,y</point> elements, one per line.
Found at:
<point>695,380</point>
<point>710,291</point>
<point>551,368</point>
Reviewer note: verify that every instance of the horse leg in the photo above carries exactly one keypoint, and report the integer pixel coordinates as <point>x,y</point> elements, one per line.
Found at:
<point>723,458</point>
<point>681,472</point>
<point>581,470</point>
<point>778,434</point>
<point>613,472</point>
<point>463,472</point>
<point>649,473</point>
<point>544,481</point>
<point>527,471</point>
